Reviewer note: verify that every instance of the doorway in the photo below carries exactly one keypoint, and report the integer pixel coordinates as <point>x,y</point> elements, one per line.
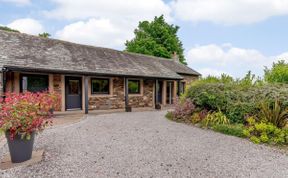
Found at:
<point>73,93</point>
<point>169,92</point>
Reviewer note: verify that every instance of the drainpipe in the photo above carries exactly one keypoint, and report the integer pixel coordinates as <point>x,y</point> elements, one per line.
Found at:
<point>86,94</point>
<point>127,108</point>
<point>4,70</point>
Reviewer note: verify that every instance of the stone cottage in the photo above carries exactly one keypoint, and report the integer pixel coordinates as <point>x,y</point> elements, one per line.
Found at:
<point>88,77</point>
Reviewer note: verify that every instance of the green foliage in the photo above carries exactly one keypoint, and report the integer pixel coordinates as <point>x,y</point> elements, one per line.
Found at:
<point>44,35</point>
<point>215,118</point>
<point>234,130</point>
<point>156,38</point>
<point>238,110</point>
<point>278,73</point>
<point>275,114</point>
<point>265,132</point>
<point>8,29</point>
<point>198,116</point>
<point>235,99</point>
<point>169,115</point>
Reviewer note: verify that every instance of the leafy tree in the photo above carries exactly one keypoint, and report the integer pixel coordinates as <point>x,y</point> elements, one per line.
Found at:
<point>156,38</point>
<point>278,73</point>
<point>8,29</point>
<point>44,35</point>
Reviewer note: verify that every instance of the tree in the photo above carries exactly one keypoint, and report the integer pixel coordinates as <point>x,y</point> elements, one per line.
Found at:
<point>156,38</point>
<point>44,35</point>
<point>278,73</point>
<point>8,29</point>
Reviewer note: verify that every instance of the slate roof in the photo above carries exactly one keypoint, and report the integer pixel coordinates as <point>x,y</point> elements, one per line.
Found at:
<point>22,51</point>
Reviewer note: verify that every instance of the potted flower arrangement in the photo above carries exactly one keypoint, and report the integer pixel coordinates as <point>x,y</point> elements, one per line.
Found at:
<point>21,117</point>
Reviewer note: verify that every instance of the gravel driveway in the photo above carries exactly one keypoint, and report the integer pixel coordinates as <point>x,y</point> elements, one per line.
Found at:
<point>145,144</point>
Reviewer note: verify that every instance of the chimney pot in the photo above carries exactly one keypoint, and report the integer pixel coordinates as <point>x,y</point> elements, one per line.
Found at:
<point>175,56</point>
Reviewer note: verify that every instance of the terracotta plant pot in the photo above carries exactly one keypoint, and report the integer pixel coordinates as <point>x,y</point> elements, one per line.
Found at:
<point>20,149</point>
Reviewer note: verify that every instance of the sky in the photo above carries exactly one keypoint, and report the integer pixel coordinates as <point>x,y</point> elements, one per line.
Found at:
<point>219,36</point>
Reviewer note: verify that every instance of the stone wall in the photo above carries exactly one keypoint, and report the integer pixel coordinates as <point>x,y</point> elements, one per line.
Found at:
<point>57,86</point>
<point>114,101</point>
<point>117,99</point>
<point>190,78</point>
<point>145,100</point>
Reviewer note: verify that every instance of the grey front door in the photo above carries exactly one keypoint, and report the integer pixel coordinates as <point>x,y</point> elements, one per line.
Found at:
<point>73,90</point>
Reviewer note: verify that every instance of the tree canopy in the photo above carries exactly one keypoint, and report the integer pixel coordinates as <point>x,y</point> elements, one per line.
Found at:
<point>156,38</point>
<point>278,73</point>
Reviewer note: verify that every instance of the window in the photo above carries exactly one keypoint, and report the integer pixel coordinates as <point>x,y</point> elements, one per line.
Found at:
<point>182,87</point>
<point>100,86</point>
<point>74,87</point>
<point>134,86</point>
<point>34,83</point>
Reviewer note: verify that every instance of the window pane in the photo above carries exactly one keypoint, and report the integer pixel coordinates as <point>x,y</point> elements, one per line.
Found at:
<point>182,87</point>
<point>134,86</point>
<point>100,86</point>
<point>73,87</point>
<point>34,83</point>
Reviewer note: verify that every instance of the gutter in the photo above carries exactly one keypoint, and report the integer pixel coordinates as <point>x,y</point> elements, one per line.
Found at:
<point>59,71</point>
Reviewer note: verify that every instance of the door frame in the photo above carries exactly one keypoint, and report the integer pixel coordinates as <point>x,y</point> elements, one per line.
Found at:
<point>66,94</point>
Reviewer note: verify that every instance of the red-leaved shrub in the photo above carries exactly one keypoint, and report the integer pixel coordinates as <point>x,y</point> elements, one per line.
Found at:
<point>183,110</point>
<point>26,112</point>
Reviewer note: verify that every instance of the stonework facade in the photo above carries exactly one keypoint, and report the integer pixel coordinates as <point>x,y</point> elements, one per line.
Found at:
<point>116,97</point>
<point>116,100</point>
<point>146,98</point>
<point>189,78</point>
<point>56,85</point>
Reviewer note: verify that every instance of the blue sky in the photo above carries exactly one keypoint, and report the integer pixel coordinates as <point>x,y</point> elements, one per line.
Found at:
<point>221,36</point>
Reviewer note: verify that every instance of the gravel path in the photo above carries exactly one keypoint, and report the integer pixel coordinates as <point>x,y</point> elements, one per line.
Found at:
<point>145,144</point>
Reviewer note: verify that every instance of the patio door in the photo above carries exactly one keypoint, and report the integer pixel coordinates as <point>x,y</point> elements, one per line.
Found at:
<point>159,91</point>
<point>73,93</point>
<point>169,92</point>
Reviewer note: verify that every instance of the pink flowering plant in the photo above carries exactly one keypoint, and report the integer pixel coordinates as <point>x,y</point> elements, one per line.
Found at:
<point>25,113</point>
<point>183,109</point>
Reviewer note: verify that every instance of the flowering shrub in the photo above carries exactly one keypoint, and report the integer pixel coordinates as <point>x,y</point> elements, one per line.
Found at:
<point>183,110</point>
<point>26,113</point>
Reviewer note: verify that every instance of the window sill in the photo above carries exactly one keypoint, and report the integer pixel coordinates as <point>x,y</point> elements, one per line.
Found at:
<point>100,95</point>
<point>136,94</point>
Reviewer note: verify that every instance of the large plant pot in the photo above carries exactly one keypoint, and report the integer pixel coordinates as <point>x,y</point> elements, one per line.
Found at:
<point>20,149</point>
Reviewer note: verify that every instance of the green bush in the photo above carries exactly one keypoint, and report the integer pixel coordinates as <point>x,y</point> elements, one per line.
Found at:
<point>261,132</point>
<point>234,100</point>
<point>169,115</point>
<point>234,130</point>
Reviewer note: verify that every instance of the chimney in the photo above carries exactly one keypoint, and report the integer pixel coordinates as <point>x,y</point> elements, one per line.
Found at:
<point>175,57</point>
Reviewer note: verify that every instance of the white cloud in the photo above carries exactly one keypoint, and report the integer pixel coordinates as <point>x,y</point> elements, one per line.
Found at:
<point>27,25</point>
<point>229,12</point>
<point>106,23</point>
<point>18,2</point>
<point>216,59</point>
<point>126,10</point>
<point>98,32</point>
